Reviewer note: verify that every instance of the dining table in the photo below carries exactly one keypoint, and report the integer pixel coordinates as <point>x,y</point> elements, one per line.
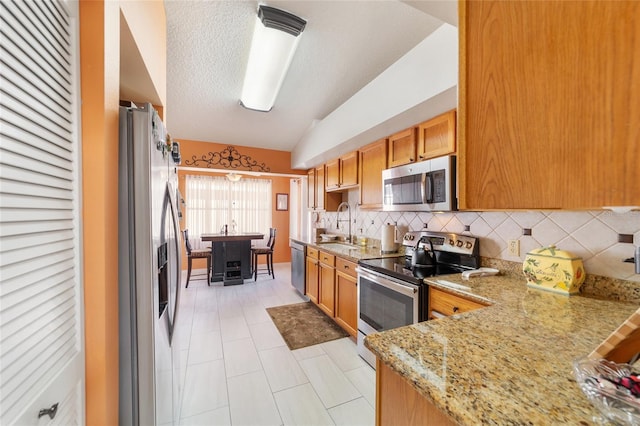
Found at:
<point>231,254</point>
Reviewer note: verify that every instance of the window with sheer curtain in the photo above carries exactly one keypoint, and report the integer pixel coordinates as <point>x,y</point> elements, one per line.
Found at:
<point>213,201</point>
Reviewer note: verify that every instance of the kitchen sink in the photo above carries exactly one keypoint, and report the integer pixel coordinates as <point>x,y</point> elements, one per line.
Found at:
<point>340,246</point>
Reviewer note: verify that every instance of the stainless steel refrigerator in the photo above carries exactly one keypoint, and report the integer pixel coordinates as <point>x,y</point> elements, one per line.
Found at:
<point>149,272</point>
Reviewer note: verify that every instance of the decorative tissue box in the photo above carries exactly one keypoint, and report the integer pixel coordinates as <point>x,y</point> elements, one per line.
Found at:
<point>555,270</point>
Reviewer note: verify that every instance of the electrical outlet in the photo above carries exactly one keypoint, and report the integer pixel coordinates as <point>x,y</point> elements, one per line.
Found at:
<point>514,247</point>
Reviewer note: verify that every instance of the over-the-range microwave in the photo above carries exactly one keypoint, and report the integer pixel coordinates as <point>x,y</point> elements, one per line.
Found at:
<point>424,186</point>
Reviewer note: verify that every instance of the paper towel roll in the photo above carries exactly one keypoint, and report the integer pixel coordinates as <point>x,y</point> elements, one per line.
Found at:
<point>388,238</point>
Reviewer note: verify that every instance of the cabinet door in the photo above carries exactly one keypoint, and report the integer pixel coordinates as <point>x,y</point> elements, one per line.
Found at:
<point>443,303</point>
<point>312,289</point>
<point>548,114</point>
<point>402,147</point>
<point>320,187</point>
<point>346,296</point>
<point>327,289</point>
<point>333,174</point>
<point>328,201</point>
<point>437,137</point>
<point>373,160</point>
<point>349,170</point>
<point>399,403</point>
<point>311,189</point>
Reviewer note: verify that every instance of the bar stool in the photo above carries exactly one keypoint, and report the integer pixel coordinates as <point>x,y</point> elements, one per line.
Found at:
<point>264,251</point>
<point>196,254</point>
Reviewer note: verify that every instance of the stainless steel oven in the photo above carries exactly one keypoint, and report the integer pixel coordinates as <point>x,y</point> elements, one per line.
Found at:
<point>384,303</point>
<point>392,292</point>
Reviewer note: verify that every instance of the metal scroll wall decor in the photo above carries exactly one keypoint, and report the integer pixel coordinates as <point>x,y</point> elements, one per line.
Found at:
<point>229,158</point>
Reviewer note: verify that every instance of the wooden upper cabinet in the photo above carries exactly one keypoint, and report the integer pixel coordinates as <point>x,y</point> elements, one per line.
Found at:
<point>312,288</point>
<point>349,170</point>
<point>373,160</point>
<point>402,147</point>
<point>548,114</point>
<point>320,187</point>
<point>333,174</point>
<point>437,137</point>
<point>318,198</point>
<point>342,173</point>
<point>311,189</point>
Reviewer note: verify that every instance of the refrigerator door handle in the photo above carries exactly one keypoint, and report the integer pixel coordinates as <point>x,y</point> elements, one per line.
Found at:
<point>175,261</point>
<point>178,257</point>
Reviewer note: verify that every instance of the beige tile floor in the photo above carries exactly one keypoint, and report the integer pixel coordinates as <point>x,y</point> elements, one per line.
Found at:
<point>239,371</point>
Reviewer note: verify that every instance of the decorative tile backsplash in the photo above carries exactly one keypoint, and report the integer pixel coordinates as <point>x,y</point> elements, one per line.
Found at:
<point>592,235</point>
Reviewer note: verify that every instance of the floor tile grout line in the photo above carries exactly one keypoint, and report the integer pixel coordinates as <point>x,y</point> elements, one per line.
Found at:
<point>280,296</point>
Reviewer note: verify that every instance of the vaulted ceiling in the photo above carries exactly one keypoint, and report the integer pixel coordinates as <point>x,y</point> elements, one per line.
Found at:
<point>344,46</point>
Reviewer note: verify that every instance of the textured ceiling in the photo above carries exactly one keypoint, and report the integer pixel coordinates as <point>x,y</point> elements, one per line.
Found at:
<point>343,47</point>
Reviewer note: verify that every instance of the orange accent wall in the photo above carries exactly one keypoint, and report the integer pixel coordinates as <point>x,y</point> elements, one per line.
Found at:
<point>100,77</point>
<point>277,161</point>
<point>100,96</point>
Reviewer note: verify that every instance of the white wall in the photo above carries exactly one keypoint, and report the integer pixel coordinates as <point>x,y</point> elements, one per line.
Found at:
<point>420,85</point>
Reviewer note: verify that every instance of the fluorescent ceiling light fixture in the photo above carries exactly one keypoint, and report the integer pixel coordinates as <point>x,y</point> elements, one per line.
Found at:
<point>275,38</point>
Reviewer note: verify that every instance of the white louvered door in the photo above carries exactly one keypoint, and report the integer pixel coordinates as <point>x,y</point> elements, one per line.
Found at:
<point>41,303</point>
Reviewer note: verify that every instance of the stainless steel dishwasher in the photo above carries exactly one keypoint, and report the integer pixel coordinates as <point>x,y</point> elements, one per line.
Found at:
<point>297,265</point>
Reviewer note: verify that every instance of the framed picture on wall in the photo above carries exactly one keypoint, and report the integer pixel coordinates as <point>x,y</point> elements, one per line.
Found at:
<point>282,202</point>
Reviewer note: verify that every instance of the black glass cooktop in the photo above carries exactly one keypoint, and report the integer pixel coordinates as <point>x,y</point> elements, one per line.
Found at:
<point>399,267</point>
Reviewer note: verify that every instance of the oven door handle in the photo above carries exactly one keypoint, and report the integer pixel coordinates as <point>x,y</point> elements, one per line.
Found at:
<point>404,288</point>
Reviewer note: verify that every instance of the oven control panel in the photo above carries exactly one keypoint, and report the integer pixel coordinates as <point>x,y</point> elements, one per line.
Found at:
<point>442,241</point>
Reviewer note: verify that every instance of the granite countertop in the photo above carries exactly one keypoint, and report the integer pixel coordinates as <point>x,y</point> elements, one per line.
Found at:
<point>508,363</point>
<point>348,251</point>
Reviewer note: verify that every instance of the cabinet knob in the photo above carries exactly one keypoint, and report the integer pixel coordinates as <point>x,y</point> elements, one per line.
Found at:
<point>346,266</point>
<point>421,157</point>
<point>412,159</point>
<point>456,309</point>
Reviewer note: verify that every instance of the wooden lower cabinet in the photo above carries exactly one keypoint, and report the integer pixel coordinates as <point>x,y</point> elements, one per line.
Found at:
<point>399,403</point>
<point>327,283</point>
<point>347,296</point>
<point>332,284</point>
<point>311,283</point>
<point>442,303</point>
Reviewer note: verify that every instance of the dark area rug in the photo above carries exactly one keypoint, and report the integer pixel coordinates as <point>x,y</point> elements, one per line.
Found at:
<point>304,324</point>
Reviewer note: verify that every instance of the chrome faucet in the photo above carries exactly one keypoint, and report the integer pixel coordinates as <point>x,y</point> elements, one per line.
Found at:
<point>338,220</point>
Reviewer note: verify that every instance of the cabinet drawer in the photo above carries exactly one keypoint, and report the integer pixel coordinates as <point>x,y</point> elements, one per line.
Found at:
<point>345,266</point>
<point>312,252</point>
<point>450,304</point>
<point>327,259</point>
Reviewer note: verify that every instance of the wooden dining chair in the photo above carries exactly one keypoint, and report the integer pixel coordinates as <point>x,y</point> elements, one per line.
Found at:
<point>196,254</point>
<point>264,251</point>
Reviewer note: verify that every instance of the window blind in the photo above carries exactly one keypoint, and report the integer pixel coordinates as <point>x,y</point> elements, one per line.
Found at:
<point>40,300</point>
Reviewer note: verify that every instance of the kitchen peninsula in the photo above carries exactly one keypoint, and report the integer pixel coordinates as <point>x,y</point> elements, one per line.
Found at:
<point>231,255</point>
<point>508,363</point>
